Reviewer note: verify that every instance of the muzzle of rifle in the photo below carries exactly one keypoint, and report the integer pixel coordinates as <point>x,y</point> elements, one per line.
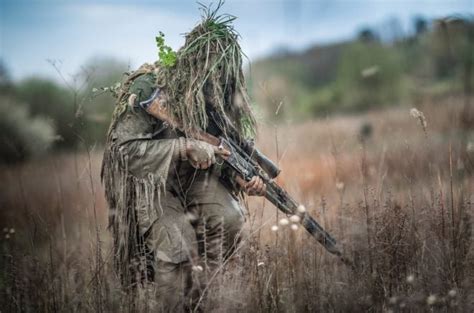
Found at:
<point>266,164</point>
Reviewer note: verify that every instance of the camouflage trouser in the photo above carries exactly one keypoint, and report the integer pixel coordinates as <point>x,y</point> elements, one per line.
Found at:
<point>194,234</point>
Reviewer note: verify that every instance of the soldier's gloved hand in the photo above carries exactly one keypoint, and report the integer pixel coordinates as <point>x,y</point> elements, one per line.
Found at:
<point>255,187</point>
<point>201,154</point>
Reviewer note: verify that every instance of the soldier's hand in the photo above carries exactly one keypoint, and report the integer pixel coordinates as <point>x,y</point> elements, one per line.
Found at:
<point>255,187</point>
<point>202,155</point>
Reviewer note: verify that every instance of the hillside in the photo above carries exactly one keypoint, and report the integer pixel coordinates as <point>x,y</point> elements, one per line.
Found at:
<point>366,72</point>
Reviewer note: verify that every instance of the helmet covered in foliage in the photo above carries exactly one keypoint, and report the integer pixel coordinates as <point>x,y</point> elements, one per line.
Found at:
<point>207,75</point>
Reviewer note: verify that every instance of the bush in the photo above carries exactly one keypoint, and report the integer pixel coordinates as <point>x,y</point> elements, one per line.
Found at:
<point>46,98</point>
<point>21,135</point>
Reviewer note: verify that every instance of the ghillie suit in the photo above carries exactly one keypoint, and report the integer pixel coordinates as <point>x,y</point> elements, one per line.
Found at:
<point>208,71</point>
<point>142,172</point>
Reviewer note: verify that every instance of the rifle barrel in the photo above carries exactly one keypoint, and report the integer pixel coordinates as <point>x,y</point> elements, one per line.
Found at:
<point>282,200</point>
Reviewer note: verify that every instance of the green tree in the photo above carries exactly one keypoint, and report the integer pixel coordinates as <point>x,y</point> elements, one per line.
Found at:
<point>22,135</point>
<point>45,98</point>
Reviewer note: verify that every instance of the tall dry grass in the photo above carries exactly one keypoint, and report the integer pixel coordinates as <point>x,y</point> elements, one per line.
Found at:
<point>398,197</point>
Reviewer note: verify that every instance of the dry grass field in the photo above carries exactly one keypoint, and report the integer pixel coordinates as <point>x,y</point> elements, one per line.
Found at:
<point>396,193</point>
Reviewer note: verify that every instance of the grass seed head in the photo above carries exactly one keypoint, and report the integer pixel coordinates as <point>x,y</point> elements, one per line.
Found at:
<point>431,300</point>
<point>470,147</point>
<point>295,219</point>
<point>197,268</point>
<point>339,186</point>
<point>301,208</point>
<point>415,113</point>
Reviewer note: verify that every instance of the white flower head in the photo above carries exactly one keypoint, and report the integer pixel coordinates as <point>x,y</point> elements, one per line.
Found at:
<point>431,300</point>
<point>294,227</point>
<point>295,219</point>
<point>284,222</point>
<point>410,278</point>
<point>339,185</point>
<point>301,208</point>
<point>274,228</point>
<point>452,293</point>
<point>260,264</point>
<point>197,268</point>
<point>470,147</point>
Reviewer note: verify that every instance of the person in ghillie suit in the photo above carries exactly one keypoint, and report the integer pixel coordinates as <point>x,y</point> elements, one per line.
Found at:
<point>174,204</point>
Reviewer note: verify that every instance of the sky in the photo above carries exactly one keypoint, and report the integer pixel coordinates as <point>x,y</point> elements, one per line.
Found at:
<point>74,31</point>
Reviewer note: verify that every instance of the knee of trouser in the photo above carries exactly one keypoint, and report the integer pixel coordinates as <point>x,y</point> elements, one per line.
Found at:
<point>171,276</point>
<point>233,224</point>
<point>229,225</point>
<point>172,242</point>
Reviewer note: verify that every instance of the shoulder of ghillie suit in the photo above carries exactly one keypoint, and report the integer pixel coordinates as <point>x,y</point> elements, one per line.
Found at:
<point>140,80</point>
<point>135,86</point>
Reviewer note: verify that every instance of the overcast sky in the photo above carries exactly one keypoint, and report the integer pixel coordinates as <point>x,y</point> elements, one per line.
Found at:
<point>72,31</point>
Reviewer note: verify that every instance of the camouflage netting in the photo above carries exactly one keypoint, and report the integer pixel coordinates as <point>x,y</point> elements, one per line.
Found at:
<point>208,66</point>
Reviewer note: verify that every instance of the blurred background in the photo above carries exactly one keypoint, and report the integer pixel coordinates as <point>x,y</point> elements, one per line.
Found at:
<point>306,59</point>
